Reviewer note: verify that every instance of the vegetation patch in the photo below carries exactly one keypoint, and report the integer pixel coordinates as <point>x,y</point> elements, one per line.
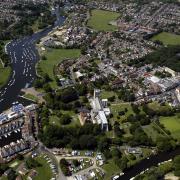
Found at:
<point>172,124</point>
<point>4,74</point>
<point>100,20</point>
<point>110,168</point>
<point>54,57</point>
<point>32,97</point>
<point>167,38</point>
<point>165,56</point>
<point>152,131</point>
<point>117,109</point>
<point>44,170</point>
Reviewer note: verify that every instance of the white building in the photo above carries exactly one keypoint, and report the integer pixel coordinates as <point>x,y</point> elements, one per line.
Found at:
<point>99,111</point>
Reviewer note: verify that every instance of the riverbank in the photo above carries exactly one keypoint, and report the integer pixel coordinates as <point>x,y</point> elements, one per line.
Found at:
<point>53,58</point>
<point>5,73</point>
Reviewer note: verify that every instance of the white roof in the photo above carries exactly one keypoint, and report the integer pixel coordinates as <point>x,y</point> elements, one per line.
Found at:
<point>102,117</point>
<point>154,79</point>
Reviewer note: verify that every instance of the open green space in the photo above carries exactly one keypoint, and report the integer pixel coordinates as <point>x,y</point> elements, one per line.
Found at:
<point>111,169</point>
<point>159,108</point>
<point>116,108</point>
<point>172,124</point>
<point>100,19</point>
<point>167,38</point>
<point>55,56</point>
<point>14,164</point>
<point>4,74</point>
<point>32,97</point>
<point>107,94</point>
<point>44,171</point>
<point>56,121</point>
<point>152,131</point>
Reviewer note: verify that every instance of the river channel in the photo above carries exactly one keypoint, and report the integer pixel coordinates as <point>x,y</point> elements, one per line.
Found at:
<point>24,56</point>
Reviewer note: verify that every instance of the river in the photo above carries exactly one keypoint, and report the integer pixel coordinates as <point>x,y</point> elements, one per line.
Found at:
<point>24,56</point>
<point>147,163</point>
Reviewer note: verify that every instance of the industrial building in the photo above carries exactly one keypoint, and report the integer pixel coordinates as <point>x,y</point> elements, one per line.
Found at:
<point>100,110</point>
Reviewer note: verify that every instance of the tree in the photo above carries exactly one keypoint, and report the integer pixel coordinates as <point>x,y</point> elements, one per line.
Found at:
<point>76,162</point>
<point>64,165</point>
<point>31,163</point>
<point>116,153</point>
<point>176,165</point>
<point>65,119</point>
<point>123,163</point>
<point>163,144</point>
<point>87,142</point>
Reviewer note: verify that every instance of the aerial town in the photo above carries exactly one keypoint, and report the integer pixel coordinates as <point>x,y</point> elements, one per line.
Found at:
<point>89,90</point>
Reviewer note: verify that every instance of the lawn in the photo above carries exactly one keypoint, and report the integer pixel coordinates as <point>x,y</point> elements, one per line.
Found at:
<point>167,38</point>
<point>158,108</point>
<point>44,171</point>
<point>111,169</point>
<point>56,121</point>
<point>32,97</point>
<point>107,94</point>
<point>55,56</point>
<point>152,131</point>
<point>100,19</point>
<point>172,124</point>
<point>116,108</point>
<point>4,74</point>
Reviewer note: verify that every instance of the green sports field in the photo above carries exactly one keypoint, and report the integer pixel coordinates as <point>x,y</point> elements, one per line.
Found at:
<point>172,124</point>
<point>100,19</point>
<point>167,38</point>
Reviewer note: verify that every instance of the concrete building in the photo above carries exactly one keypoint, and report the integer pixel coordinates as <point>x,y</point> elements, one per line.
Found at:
<point>100,111</point>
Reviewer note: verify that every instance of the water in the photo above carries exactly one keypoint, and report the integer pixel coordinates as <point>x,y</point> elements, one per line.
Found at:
<point>24,56</point>
<point>147,163</point>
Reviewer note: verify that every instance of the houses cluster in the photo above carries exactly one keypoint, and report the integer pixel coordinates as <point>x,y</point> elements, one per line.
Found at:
<point>109,6</point>
<point>151,16</point>
<point>67,37</point>
<point>74,33</point>
<point>9,13</point>
<point>16,131</point>
<point>13,148</point>
<point>133,46</point>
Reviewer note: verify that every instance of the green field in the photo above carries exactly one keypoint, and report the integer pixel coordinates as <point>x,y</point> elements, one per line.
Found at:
<point>100,19</point>
<point>111,169</point>
<point>167,38</point>
<point>32,97</point>
<point>56,121</point>
<point>107,94</point>
<point>44,171</point>
<point>55,56</point>
<point>159,108</point>
<point>116,108</point>
<point>153,131</point>
<point>172,124</point>
<point>4,74</point>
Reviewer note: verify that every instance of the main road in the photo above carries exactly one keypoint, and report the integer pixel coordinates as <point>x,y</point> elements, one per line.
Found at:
<point>24,56</point>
